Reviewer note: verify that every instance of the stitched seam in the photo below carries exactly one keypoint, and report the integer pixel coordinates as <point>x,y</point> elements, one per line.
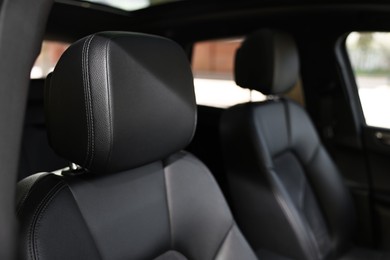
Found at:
<point>291,216</point>
<point>32,246</point>
<point>314,153</point>
<point>223,240</point>
<point>306,185</point>
<point>87,101</point>
<point>90,105</point>
<point>110,126</point>
<point>289,213</point>
<point>85,98</point>
<point>190,159</point>
<point>37,225</point>
<point>27,194</point>
<point>85,222</point>
<point>310,229</point>
<point>303,194</point>
<point>313,239</point>
<point>288,123</point>
<point>169,206</point>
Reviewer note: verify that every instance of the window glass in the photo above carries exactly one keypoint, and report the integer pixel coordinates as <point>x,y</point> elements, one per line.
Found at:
<point>212,64</point>
<point>130,5</point>
<point>369,53</point>
<point>51,52</point>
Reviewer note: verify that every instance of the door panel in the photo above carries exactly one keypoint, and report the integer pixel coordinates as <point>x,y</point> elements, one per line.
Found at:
<point>369,54</point>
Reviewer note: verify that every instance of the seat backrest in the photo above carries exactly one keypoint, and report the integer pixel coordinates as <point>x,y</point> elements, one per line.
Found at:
<point>36,153</point>
<point>122,106</point>
<point>282,180</point>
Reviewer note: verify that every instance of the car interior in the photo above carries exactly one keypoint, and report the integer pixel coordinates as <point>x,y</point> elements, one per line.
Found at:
<point>179,129</point>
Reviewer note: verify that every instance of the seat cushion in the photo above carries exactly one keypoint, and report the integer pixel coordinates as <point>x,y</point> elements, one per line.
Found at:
<point>164,210</point>
<point>283,182</point>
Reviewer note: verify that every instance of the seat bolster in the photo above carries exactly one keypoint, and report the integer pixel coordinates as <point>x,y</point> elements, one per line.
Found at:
<point>51,223</point>
<point>172,209</point>
<point>235,247</point>
<point>23,188</point>
<point>329,188</point>
<point>197,207</point>
<point>323,176</point>
<point>256,199</point>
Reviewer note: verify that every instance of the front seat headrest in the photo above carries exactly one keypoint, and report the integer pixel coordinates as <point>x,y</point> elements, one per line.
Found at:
<point>118,100</point>
<point>267,61</point>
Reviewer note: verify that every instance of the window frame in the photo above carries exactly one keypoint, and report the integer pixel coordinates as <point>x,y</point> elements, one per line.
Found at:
<point>349,81</point>
<point>251,93</point>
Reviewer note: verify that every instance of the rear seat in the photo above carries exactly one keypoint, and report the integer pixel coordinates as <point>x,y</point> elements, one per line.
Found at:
<point>36,154</point>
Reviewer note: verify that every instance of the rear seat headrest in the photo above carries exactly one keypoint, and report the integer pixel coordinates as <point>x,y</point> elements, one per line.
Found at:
<point>267,61</point>
<point>118,100</point>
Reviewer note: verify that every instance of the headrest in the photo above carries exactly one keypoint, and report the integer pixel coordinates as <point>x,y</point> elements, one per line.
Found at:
<point>118,100</point>
<point>267,61</point>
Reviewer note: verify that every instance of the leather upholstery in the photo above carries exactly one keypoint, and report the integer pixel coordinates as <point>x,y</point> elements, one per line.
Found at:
<point>170,205</point>
<point>268,62</point>
<point>166,208</point>
<point>288,196</point>
<point>284,183</point>
<point>111,88</point>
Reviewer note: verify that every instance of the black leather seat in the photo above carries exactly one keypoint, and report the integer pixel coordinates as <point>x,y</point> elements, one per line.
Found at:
<point>122,106</point>
<point>288,196</point>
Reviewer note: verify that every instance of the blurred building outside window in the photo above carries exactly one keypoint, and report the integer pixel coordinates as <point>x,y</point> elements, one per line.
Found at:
<point>51,52</point>
<point>369,54</point>
<point>213,66</point>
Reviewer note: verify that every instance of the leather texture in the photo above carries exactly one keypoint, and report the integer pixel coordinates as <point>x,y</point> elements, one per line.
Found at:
<point>288,196</point>
<point>281,178</point>
<point>268,62</point>
<point>170,207</point>
<point>111,88</point>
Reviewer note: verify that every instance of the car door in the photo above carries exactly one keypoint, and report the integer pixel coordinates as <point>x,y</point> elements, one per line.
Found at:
<point>365,59</point>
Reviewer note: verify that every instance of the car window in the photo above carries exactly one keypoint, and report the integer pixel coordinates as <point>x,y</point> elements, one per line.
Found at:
<point>212,64</point>
<point>369,53</point>
<point>51,52</point>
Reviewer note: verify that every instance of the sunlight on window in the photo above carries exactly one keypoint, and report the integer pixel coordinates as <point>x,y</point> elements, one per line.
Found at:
<point>213,63</point>
<point>223,93</point>
<point>369,53</point>
<point>124,4</point>
<point>51,52</point>
<point>130,5</point>
<point>36,72</point>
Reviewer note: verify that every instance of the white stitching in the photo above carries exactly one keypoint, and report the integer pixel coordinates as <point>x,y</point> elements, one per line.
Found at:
<point>109,103</point>
<point>88,102</point>
<point>85,98</point>
<point>90,105</point>
<point>32,247</point>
